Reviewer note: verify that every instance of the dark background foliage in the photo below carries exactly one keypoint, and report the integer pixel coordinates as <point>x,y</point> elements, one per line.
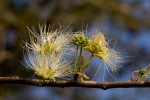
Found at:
<point>126,21</point>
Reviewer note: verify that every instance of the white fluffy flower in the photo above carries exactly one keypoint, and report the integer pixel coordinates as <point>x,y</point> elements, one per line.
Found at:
<point>45,52</point>
<point>48,66</point>
<point>48,41</point>
<point>99,47</point>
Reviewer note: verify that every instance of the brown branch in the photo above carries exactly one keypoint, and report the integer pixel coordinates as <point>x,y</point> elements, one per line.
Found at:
<point>63,83</point>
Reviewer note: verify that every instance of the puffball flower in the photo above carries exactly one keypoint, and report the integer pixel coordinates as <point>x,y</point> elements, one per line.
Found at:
<point>99,47</point>
<point>48,41</point>
<point>48,67</point>
<point>45,52</point>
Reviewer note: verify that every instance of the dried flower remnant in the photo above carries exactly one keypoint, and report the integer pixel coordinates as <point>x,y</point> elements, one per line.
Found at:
<point>139,75</point>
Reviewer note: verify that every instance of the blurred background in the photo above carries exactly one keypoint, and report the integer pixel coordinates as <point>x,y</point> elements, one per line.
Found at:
<point>125,21</point>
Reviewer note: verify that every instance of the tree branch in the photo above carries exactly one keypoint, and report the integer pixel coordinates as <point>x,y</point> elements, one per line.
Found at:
<point>64,83</point>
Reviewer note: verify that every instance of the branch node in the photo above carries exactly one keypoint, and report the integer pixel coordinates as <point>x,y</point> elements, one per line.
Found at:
<point>104,87</point>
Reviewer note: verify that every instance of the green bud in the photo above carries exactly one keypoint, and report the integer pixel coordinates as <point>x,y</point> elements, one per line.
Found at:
<point>80,39</point>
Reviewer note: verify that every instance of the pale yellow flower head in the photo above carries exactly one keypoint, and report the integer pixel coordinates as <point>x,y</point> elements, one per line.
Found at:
<point>99,47</point>
<point>97,44</point>
<point>48,67</point>
<point>99,39</point>
<point>48,41</point>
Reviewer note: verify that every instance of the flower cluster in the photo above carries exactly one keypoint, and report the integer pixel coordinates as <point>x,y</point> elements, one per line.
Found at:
<point>98,46</point>
<point>46,50</point>
<point>45,53</point>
